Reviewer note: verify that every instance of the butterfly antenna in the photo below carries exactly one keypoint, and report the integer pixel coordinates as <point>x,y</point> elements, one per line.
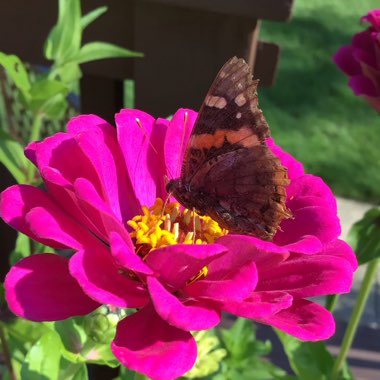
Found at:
<point>145,134</point>
<point>194,225</point>
<point>185,119</point>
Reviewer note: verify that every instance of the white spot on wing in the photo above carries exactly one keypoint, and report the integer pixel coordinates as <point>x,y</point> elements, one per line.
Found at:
<point>216,101</point>
<point>238,115</point>
<point>240,100</point>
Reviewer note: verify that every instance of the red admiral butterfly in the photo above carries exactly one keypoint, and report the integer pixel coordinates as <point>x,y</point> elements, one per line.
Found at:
<point>229,173</point>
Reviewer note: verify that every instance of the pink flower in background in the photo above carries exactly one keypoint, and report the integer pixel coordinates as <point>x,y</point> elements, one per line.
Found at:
<point>98,182</point>
<point>361,60</point>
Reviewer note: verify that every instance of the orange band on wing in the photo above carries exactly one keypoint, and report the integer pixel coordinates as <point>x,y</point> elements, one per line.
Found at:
<point>243,137</point>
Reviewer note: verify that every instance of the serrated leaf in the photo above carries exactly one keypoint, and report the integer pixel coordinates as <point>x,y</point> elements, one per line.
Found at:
<point>101,50</point>
<point>364,237</point>
<point>88,18</point>
<point>12,157</point>
<point>16,71</point>
<point>43,359</point>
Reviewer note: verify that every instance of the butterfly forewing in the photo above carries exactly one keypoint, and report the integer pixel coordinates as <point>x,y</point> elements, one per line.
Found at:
<point>229,172</point>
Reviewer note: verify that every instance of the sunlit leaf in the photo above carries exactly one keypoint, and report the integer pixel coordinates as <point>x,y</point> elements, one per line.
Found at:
<point>65,37</point>
<point>12,156</point>
<point>364,237</point>
<point>88,18</point>
<point>43,359</point>
<point>101,50</point>
<point>16,71</point>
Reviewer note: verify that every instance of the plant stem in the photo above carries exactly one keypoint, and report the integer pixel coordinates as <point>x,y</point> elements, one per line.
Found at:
<point>331,302</point>
<point>357,312</point>
<point>34,135</point>
<point>7,356</point>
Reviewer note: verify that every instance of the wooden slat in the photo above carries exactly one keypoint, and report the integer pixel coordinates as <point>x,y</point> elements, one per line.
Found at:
<point>267,58</point>
<point>262,9</point>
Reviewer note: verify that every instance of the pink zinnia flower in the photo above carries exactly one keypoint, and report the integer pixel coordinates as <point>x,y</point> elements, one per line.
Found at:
<point>361,60</point>
<point>100,199</point>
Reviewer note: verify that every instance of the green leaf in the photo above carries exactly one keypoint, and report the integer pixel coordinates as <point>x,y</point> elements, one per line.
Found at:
<point>72,371</point>
<point>22,248</point>
<point>69,74</point>
<point>101,50</point>
<point>48,96</point>
<point>92,16</point>
<point>81,373</point>
<point>12,157</point>
<point>16,71</point>
<point>43,359</point>
<point>65,37</point>
<point>364,237</point>
<point>309,360</point>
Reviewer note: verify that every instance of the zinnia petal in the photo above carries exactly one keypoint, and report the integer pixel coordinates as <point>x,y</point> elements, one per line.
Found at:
<point>304,320</point>
<point>41,288</point>
<point>191,314</point>
<point>146,343</point>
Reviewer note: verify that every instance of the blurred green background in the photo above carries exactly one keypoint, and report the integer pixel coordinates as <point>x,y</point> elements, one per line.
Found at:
<point>311,110</point>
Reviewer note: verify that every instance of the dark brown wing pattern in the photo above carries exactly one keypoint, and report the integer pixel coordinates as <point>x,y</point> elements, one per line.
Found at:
<point>229,173</point>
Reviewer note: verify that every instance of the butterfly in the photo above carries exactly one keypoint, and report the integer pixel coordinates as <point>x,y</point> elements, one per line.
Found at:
<point>228,172</point>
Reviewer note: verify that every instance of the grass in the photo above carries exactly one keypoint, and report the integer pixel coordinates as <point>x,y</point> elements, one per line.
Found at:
<point>311,110</point>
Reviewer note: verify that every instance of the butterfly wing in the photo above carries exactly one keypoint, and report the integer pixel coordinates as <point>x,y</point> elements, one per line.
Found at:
<point>244,190</point>
<point>229,172</point>
<point>229,116</point>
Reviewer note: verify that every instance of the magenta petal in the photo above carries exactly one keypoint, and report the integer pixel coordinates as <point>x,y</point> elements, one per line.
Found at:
<point>176,264</point>
<point>373,17</point>
<point>176,139</point>
<point>362,85</point>
<point>191,314</point>
<point>84,123</point>
<point>141,155</point>
<point>40,288</point>
<point>99,211</point>
<point>50,224</point>
<point>307,244</point>
<point>236,285</point>
<point>100,278</point>
<point>305,320</point>
<point>260,304</point>
<point>31,211</point>
<point>147,344</point>
<point>311,186</point>
<point>125,257</point>
<point>345,60</point>
<point>243,249</point>
<point>341,249</point>
<point>308,276</point>
<point>102,149</point>
<point>62,152</point>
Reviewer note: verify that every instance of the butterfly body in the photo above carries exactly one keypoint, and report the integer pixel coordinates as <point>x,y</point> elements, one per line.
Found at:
<point>228,172</point>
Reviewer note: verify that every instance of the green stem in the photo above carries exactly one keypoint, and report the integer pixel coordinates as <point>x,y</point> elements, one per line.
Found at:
<point>6,354</point>
<point>369,278</point>
<point>331,301</point>
<point>34,135</point>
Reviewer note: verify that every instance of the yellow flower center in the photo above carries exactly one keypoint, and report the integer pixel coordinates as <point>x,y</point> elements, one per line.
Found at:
<point>162,225</point>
